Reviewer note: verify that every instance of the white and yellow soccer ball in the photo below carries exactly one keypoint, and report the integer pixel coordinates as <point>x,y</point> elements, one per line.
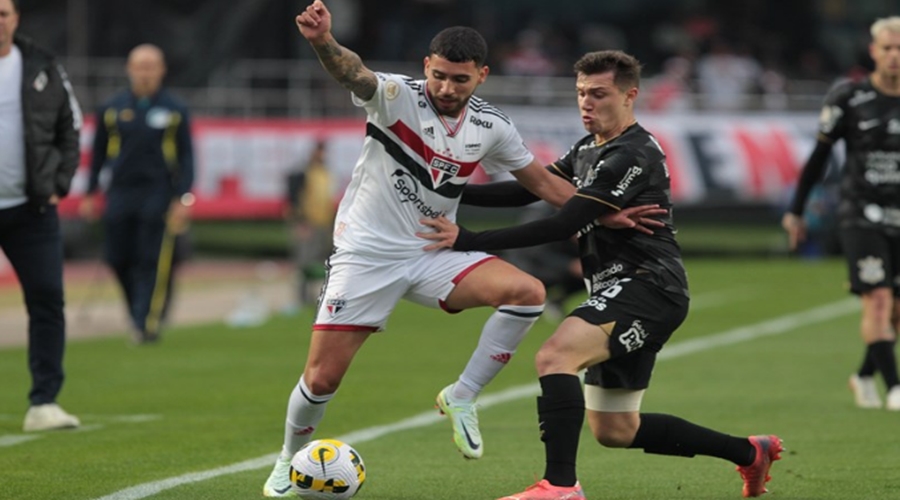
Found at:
<point>327,469</point>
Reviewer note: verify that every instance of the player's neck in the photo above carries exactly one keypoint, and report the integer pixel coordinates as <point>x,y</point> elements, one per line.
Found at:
<point>605,137</point>
<point>886,84</point>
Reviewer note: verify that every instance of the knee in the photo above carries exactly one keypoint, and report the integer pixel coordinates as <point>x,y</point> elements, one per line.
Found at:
<point>320,383</point>
<point>525,291</point>
<point>552,358</point>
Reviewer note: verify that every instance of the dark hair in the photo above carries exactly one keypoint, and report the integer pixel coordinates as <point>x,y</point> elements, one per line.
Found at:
<point>460,44</point>
<point>15,4</point>
<point>626,69</point>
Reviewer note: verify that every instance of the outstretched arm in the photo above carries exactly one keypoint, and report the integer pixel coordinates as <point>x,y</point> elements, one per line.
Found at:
<point>577,213</point>
<point>342,64</point>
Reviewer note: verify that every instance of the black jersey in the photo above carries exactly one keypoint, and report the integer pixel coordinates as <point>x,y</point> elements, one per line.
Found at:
<point>869,123</point>
<point>627,171</point>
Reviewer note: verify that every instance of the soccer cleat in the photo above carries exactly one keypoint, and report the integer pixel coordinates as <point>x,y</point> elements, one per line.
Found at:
<point>893,399</point>
<point>48,417</point>
<point>864,391</point>
<point>464,418</point>
<point>279,483</point>
<point>755,475</point>
<point>543,490</point>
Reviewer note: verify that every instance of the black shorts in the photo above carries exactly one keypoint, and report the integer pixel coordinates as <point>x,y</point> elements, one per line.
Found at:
<point>645,317</point>
<point>873,259</point>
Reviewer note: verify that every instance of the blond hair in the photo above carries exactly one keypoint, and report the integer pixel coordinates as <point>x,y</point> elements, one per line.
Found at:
<point>891,24</point>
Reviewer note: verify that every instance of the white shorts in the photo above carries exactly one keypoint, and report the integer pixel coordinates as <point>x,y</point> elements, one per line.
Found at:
<point>360,291</point>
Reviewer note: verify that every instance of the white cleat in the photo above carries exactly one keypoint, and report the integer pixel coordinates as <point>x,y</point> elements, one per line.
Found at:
<point>464,417</point>
<point>49,417</point>
<point>279,483</point>
<point>893,399</point>
<point>865,393</point>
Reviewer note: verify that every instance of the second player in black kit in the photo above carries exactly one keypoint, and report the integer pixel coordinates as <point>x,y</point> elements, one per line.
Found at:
<point>637,285</point>
<point>866,115</point>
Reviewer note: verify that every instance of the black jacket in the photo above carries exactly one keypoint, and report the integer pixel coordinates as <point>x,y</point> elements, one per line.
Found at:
<point>52,124</point>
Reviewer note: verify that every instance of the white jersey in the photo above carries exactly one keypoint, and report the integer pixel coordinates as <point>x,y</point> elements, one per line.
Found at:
<point>415,163</point>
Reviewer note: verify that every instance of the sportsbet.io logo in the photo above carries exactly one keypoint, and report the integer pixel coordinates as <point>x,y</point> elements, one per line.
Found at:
<point>408,189</point>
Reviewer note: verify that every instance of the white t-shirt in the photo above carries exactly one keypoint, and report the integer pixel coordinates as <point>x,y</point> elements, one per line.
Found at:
<point>12,131</point>
<point>415,163</point>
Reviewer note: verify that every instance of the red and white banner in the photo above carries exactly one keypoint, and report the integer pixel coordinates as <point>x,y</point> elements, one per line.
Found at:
<point>241,164</point>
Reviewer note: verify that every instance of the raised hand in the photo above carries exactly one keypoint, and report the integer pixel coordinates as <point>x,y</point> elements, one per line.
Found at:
<point>315,21</point>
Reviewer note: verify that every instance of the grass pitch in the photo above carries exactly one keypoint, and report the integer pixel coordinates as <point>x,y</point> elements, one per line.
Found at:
<point>210,397</point>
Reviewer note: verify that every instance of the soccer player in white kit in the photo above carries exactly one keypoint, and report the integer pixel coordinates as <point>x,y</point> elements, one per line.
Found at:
<point>424,138</point>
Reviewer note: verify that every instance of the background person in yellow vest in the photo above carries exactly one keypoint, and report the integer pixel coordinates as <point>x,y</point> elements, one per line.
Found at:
<point>143,138</point>
<point>310,215</point>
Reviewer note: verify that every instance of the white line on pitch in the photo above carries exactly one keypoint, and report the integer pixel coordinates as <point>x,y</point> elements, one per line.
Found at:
<point>7,440</point>
<point>767,328</point>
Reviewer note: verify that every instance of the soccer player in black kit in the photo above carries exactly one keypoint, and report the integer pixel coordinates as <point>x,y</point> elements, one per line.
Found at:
<point>638,292</point>
<point>866,115</point>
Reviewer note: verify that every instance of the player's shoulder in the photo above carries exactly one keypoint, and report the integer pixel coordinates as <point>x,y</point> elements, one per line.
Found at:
<point>486,114</point>
<point>843,88</point>
<point>639,141</point>
<point>401,81</point>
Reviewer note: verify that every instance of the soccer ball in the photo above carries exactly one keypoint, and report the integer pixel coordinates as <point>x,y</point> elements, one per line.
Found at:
<point>327,469</point>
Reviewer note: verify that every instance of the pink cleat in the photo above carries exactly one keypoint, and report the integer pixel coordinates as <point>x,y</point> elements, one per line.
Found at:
<point>755,475</point>
<point>543,490</point>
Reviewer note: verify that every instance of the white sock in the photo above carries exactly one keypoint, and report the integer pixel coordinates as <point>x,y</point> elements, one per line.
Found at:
<point>305,411</point>
<point>500,338</point>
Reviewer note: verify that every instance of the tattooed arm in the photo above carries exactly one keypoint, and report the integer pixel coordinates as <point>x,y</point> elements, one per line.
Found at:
<point>342,64</point>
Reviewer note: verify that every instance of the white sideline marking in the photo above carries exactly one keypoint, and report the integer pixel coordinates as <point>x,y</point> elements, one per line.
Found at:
<point>767,328</point>
<point>718,298</point>
<point>7,440</point>
<point>14,439</point>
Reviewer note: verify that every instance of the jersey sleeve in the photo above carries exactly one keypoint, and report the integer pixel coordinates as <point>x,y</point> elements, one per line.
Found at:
<point>617,178</point>
<point>390,89</point>
<point>833,116</point>
<point>507,153</point>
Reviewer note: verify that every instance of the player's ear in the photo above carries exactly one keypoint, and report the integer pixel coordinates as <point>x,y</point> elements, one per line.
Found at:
<point>631,96</point>
<point>483,73</point>
<point>425,64</point>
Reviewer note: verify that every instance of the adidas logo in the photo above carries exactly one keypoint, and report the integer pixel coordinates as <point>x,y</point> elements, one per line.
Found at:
<point>502,358</point>
<point>429,131</point>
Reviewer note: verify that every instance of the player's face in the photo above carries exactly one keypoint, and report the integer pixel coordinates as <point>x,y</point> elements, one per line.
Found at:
<point>146,70</point>
<point>452,84</point>
<point>9,21</point>
<point>605,108</point>
<point>885,51</point>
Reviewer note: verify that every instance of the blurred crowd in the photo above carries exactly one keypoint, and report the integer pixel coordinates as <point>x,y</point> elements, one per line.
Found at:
<point>732,56</point>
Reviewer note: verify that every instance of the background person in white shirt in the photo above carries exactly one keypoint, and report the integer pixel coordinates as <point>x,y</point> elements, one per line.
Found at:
<point>39,126</point>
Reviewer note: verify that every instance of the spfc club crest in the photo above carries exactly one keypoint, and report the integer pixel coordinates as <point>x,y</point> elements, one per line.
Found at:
<point>442,171</point>
<point>335,304</point>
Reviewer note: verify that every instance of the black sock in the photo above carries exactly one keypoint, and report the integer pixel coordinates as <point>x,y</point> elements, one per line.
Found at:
<point>886,361</point>
<point>867,368</point>
<point>560,416</point>
<point>670,435</point>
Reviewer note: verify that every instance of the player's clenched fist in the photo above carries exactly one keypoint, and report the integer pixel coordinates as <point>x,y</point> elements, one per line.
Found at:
<point>315,21</point>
